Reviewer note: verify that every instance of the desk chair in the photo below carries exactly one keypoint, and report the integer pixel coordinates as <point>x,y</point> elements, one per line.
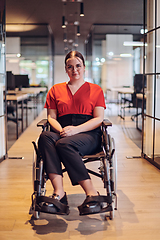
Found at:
<point>133,102</point>
<point>107,172</point>
<point>11,110</point>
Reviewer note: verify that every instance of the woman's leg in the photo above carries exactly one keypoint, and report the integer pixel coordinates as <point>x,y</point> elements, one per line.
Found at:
<point>57,183</point>
<point>88,187</point>
<point>52,163</point>
<point>70,149</point>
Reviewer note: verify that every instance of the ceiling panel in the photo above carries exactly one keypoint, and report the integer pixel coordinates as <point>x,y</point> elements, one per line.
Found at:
<point>31,17</point>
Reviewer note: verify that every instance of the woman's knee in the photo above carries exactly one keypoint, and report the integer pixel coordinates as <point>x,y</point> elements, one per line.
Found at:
<point>43,136</point>
<point>47,137</point>
<point>61,143</point>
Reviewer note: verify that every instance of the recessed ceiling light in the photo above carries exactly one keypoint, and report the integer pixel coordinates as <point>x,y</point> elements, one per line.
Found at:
<point>76,23</point>
<point>134,44</point>
<point>125,55</point>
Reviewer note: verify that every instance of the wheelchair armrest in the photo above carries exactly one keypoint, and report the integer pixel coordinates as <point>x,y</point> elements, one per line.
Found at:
<point>105,137</point>
<point>106,123</point>
<point>43,123</point>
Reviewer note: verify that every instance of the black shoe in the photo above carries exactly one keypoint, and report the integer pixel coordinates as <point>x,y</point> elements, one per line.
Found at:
<point>54,205</point>
<point>94,204</point>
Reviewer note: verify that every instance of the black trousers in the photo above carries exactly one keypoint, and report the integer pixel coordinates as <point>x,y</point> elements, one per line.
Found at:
<point>68,150</point>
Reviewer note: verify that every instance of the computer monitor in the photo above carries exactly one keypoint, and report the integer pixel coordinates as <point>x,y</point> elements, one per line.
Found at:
<point>21,81</point>
<point>10,81</point>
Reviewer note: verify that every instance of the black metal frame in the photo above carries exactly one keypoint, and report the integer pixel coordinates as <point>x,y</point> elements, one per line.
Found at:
<point>154,74</point>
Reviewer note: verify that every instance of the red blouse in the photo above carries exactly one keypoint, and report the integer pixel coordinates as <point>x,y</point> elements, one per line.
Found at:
<point>87,97</point>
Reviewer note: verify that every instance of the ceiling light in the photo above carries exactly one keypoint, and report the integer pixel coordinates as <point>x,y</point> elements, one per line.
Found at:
<point>110,53</point>
<point>117,59</point>
<point>18,55</point>
<point>134,44</point>
<point>13,60</point>
<point>63,22</point>
<point>19,27</point>
<point>11,55</point>
<point>75,44</point>
<point>142,31</point>
<point>65,37</point>
<point>103,60</point>
<point>71,0</point>
<point>76,23</point>
<point>81,9</point>
<point>78,31</point>
<point>125,55</point>
<point>70,41</point>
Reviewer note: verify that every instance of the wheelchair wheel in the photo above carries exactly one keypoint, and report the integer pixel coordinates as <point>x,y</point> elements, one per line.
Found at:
<point>113,175</point>
<point>39,182</point>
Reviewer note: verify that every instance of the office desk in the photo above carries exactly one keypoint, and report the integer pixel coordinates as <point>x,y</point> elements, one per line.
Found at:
<point>33,93</point>
<point>122,92</point>
<point>19,98</point>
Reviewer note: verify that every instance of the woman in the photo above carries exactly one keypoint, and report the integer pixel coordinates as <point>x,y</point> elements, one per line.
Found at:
<point>75,111</point>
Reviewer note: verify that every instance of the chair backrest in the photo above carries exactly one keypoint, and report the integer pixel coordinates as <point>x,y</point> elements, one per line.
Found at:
<point>138,83</point>
<point>10,81</point>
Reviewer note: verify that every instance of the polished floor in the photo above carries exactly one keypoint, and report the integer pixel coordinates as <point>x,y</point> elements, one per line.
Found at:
<point>138,214</point>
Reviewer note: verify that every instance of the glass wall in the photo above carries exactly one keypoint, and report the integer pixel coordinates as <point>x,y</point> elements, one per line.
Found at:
<point>114,55</point>
<point>37,71</point>
<point>32,56</point>
<point>2,82</point>
<point>151,120</point>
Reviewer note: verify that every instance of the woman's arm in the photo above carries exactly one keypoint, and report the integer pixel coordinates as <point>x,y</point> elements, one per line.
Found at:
<point>98,116</point>
<point>52,116</point>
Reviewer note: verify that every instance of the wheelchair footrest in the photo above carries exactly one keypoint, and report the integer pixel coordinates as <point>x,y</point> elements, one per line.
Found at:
<point>51,205</point>
<point>95,204</point>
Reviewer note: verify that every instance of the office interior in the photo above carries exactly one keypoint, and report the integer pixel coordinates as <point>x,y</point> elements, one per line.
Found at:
<point>118,47</point>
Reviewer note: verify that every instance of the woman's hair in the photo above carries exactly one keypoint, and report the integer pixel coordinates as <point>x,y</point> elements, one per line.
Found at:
<point>74,54</point>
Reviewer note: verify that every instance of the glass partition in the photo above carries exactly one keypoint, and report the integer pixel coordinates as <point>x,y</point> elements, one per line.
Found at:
<point>114,55</point>
<point>3,141</point>
<point>151,119</point>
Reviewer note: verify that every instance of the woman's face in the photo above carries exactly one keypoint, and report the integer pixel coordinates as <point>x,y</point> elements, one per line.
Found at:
<point>75,68</point>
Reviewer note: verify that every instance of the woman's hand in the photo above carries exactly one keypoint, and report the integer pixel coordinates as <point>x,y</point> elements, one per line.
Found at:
<point>68,131</point>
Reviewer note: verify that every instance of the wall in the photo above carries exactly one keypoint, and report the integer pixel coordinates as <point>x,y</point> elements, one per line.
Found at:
<point>12,49</point>
<point>59,69</point>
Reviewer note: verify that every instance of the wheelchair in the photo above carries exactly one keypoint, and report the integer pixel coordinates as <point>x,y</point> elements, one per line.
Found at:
<point>107,171</point>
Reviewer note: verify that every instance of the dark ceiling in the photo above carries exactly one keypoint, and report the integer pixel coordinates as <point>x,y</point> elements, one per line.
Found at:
<point>26,18</point>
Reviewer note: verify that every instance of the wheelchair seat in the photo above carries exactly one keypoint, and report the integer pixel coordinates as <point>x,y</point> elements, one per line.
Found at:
<point>107,172</point>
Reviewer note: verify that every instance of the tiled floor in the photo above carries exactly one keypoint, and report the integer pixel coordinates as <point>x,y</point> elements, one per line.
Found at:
<point>138,214</point>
